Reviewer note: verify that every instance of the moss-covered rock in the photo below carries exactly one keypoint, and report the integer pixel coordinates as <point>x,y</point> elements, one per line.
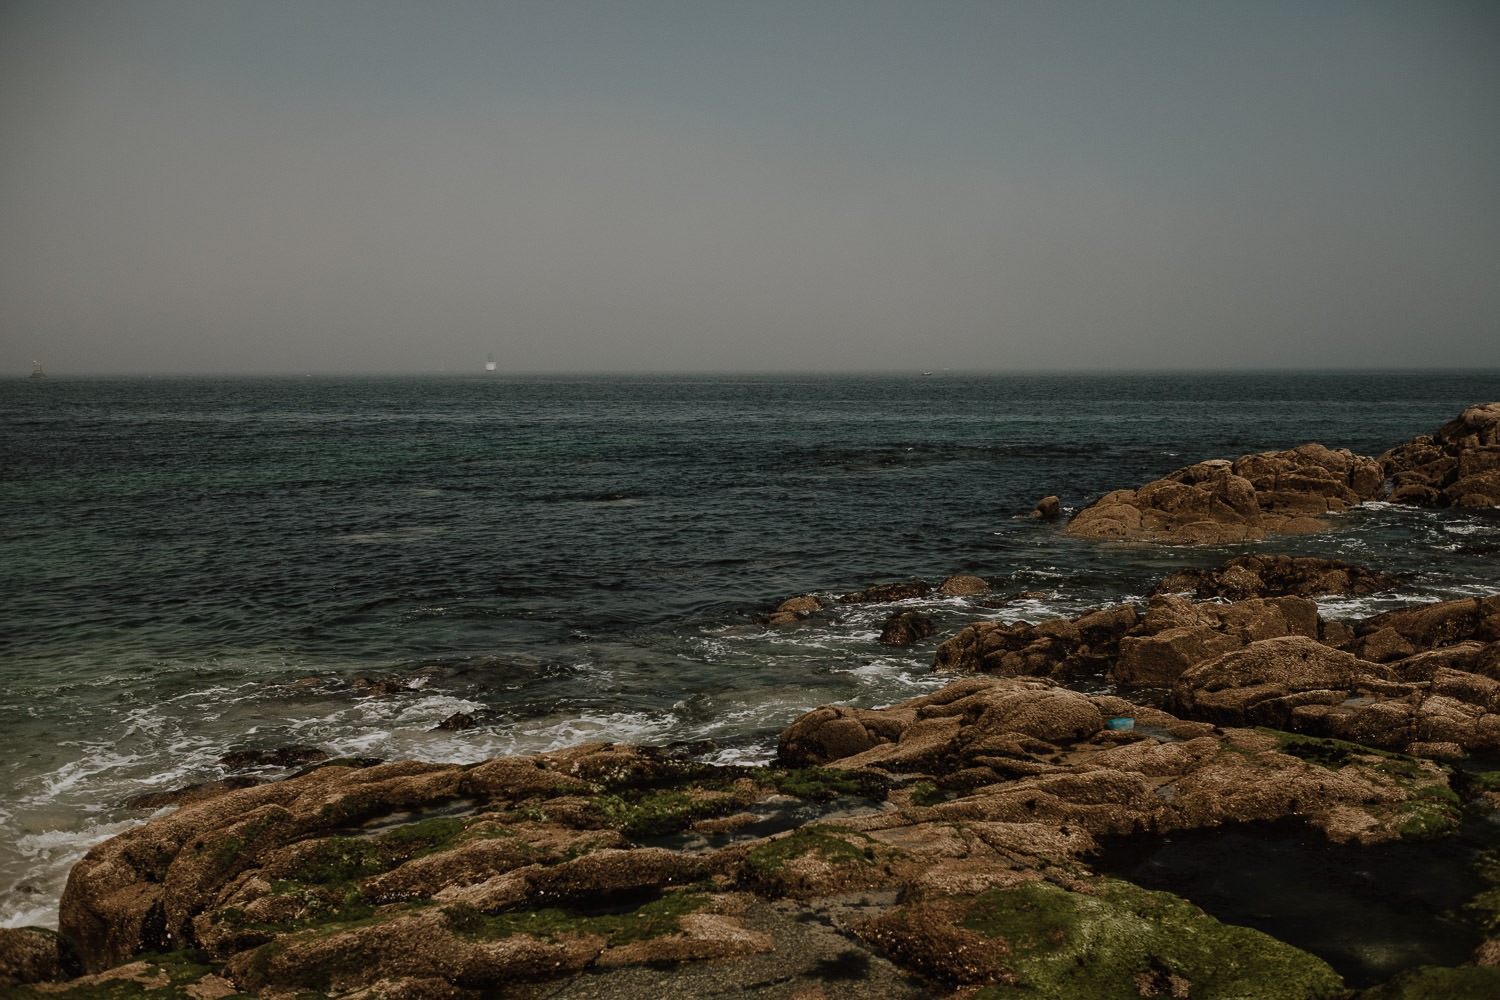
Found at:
<point>1112,939</point>
<point>174,976</point>
<point>817,860</point>
<point>959,841</point>
<point>1428,807</point>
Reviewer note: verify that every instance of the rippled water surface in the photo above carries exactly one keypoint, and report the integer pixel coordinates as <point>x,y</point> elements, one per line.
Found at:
<point>194,566</point>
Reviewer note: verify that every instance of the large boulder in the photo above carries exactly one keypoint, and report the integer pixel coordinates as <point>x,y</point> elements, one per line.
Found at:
<point>794,609</point>
<point>1261,683</point>
<point>1175,634</point>
<point>1459,466</point>
<point>1218,501</point>
<point>1298,684</point>
<point>906,627</point>
<point>963,585</point>
<point>141,890</point>
<point>1397,634</point>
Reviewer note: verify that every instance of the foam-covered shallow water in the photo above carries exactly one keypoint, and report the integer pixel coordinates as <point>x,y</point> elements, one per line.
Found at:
<point>192,567</point>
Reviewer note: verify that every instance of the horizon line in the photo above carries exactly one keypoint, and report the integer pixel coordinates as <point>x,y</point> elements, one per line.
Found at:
<point>773,373</point>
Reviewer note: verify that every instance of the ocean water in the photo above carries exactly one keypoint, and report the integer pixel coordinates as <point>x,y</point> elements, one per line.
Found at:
<point>194,566</point>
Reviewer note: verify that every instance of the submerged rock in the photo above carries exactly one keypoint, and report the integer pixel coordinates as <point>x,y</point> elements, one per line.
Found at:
<point>292,756</point>
<point>887,593</point>
<point>905,628</point>
<point>794,609</point>
<point>1047,509</point>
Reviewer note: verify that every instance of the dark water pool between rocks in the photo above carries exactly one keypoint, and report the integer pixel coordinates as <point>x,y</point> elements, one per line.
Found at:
<point>1370,912</point>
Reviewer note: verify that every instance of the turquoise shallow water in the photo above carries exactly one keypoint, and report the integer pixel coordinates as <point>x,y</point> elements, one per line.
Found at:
<point>194,566</point>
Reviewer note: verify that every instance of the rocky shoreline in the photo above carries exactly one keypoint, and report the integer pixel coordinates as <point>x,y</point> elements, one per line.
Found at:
<point>944,846</point>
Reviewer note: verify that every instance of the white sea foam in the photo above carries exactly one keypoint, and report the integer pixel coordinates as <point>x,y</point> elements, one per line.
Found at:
<point>76,774</point>
<point>32,881</point>
<point>742,756</point>
<point>1351,608</point>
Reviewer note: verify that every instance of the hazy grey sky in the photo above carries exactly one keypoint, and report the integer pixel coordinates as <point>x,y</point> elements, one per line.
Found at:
<point>358,185</point>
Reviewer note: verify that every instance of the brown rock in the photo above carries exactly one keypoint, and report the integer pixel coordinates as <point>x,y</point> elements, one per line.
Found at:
<point>905,628</point>
<point>1276,576</point>
<point>1459,466</point>
<point>1261,683</point>
<point>1429,626</point>
<point>192,793</point>
<point>795,609</point>
<point>997,782</point>
<point>614,872</point>
<point>1058,648</point>
<point>1047,509</point>
<point>936,732</point>
<point>959,585</point>
<point>925,938</point>
<point>887,593</point>
<point>1159,659</point>
<point>1218,501</point>
<point>33,955</point>
<point>832,733</point>
<point>138,891</point>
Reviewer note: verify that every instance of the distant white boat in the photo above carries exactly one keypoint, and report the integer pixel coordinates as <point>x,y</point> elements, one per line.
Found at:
<point>36,370</point>
<point>489,365</point>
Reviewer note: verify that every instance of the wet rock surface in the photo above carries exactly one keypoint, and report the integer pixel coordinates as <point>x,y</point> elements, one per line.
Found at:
<point>939,845</point>
<point>1300,491</point>
<point>1277,576</point>
<point>1458,466</point>
<point>1251,498</point>
<point>944,846</point>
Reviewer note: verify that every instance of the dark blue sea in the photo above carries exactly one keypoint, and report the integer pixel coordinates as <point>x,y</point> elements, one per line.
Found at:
<point>194,566</point>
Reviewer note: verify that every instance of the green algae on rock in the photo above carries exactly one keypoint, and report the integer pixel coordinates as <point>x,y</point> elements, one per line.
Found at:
<point>1101,939</point>
<point>952,835</point>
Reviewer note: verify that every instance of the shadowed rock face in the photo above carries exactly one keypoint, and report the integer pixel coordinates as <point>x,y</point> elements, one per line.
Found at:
<point>1459,466</point>
<point>1277,576</point>
<point>33,955</point>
